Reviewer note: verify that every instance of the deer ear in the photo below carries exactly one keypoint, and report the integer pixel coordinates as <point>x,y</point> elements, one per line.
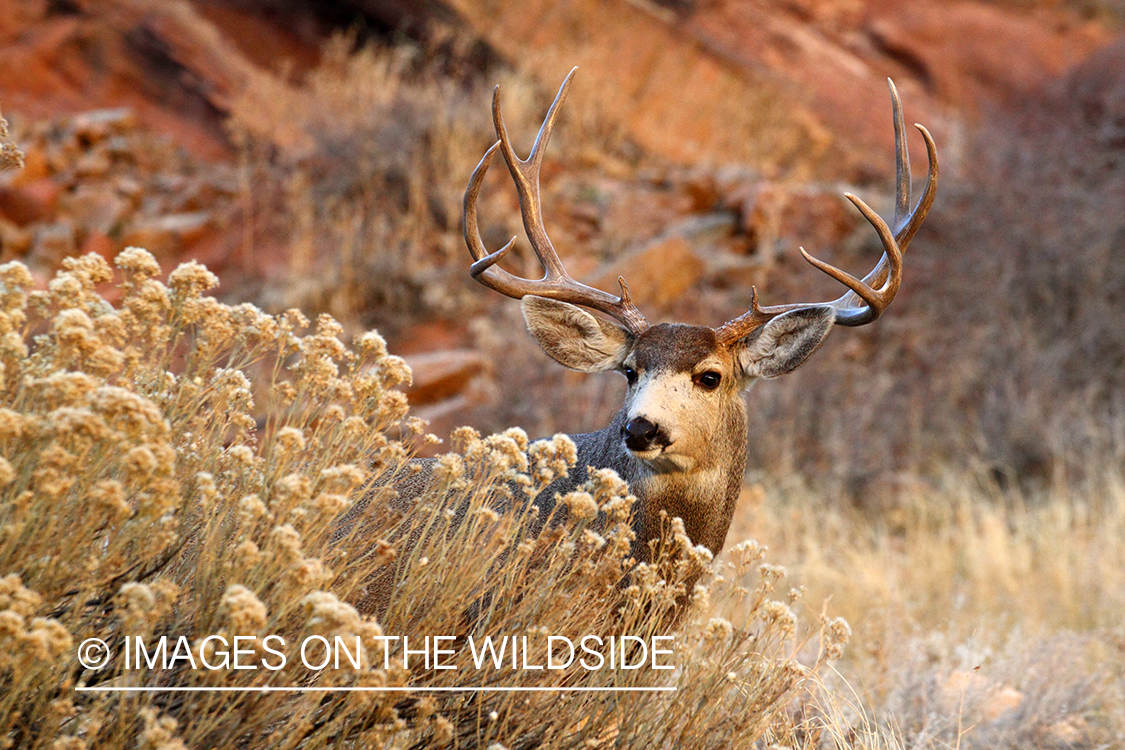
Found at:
<point>785,342</point>
<point>573,337</point>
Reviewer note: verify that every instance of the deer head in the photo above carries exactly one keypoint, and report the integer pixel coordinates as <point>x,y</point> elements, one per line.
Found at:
<point>685,381</point>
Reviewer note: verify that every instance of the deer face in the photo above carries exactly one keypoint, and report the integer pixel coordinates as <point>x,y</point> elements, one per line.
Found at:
<point>684,381</point>
<point>682,386</point>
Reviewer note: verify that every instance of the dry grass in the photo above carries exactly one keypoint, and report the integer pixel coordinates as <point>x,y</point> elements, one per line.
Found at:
<point>174,466</point>
<point>138,497</point>
<point>981,618</point>
<point>357,171</point>
<point>189,525</point>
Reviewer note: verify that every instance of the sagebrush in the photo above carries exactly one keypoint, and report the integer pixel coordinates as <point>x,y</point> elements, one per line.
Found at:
<point>173,466</point>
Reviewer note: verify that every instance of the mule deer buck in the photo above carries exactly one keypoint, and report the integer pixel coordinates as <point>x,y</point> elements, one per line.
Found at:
<point>680,438</point>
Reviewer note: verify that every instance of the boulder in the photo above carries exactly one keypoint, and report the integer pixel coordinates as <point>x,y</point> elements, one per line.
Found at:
<point>441,375</point>
<point>30,202</point>
<point>168,235</point>
<point>778,218</point>
<point>657,274</point>
<point>94,207</point>
<point>53,242</point>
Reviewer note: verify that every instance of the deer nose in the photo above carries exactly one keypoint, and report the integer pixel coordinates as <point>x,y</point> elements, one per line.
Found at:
<point>640,434</point>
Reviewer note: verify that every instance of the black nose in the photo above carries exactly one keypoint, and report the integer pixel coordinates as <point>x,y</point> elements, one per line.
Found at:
<point>640,434</point>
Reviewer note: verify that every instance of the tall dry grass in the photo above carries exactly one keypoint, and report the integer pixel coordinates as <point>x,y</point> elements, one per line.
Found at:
<point>173,466</point>
<point>982,618</point>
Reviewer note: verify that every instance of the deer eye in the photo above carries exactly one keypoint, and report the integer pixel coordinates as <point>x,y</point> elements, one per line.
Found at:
<point>630,374</point>
<point>709,380</point>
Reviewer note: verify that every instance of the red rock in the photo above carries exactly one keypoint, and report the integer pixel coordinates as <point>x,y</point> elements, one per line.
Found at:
<point>128,188</point>
<point>971,52</point>
<point>161,60</point>
<point>779,83</point>
<point>35,167</point>
<point>657,275</point>
<point>441,375</point>
<point>429,336</point>
<point>168,235</point>
<point>98,125</point>
<point>14,240</point>
<point>29,203</point>
<point>96,208</point>
<point>93,165</point>
<point>779,218</point>
<point>100,243</point>
<point>220,249</point>
<point>55,241</point>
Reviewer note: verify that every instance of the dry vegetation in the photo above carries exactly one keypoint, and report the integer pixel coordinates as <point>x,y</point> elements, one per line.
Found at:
<point>10,155</point>
<point>139,500</point>
<point>981,618</point>
<point>366,152</point>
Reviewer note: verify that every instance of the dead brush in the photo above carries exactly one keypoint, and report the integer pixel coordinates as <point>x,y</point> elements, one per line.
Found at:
<point>367,151</point>
<point>10,155</point>
<point>139,498</point>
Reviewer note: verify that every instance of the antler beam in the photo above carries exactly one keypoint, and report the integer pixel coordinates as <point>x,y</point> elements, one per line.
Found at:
<point>869,297</point>
<point>556,283</point>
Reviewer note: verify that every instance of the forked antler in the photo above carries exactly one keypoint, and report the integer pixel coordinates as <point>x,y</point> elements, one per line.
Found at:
<point>556,283</point>
<point>878,287</point>
<point>866,300</point>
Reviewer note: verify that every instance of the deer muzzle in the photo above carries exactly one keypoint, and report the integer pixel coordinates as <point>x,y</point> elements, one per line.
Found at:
<point>641,435</point>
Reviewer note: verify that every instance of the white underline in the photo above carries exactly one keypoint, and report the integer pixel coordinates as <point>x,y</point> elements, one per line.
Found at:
<point>284,689</point>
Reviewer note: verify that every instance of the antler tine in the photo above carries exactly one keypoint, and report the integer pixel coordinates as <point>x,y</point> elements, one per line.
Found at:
<point>525,173</point>
<point>902,159</point>
<point>556,283</point>
<point>905,224</point>
<point>469,211</point>
<point>866,298</point>
<point>906,233</point>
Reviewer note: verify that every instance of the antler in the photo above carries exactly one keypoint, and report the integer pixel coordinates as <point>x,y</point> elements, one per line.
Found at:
<point>556,283</point>
<point>868,298</point>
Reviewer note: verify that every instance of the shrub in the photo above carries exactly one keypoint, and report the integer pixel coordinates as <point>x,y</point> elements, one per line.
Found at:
<point>176,467</point>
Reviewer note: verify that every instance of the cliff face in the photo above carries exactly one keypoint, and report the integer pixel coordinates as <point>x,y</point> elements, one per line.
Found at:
<point>804,78</point>
<point>766,82</point>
